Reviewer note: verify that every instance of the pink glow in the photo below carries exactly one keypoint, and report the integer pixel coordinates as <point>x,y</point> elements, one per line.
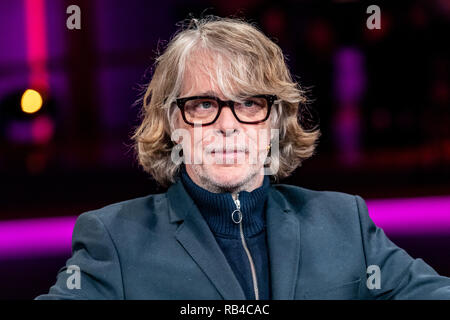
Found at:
<point>428,215</point>
<point>36,237</point>
<point>42,129</point>
<point>36,42</point>
<point>53,236</point>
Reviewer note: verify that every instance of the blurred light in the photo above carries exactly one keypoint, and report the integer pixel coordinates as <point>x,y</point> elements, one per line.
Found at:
<point>36,41</point>
<point>350,74</point>
<point>426,215</point>
<point>18,131</point>
<point>42,129</point>
<point>274,21</point>
<point>36,237</point>
<point>349,87</point>
<point>36,161</point>
<point>31,101</point>
<point>376,35</point>
<point>320,36</point>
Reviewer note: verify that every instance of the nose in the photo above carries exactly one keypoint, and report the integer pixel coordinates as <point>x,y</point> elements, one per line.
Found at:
<point>227,122</point>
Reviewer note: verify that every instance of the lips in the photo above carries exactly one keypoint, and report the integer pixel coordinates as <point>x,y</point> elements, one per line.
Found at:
<point>227,152</point>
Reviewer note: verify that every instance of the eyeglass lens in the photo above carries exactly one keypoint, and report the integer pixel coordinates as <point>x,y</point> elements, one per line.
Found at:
<point>205,110</point>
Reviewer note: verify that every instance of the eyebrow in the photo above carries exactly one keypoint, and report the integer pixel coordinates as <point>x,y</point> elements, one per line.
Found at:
<point>201,94</point>
<point>208,93</point>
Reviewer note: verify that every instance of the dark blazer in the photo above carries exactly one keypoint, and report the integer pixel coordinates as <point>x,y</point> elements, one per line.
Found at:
<point>320,245</point>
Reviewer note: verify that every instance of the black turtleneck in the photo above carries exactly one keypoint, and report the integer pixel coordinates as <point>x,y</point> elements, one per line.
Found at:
<point>216,208</point>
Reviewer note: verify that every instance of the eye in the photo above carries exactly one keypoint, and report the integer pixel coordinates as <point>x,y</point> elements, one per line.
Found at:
<point>205,104</point>
<point>249,103</point>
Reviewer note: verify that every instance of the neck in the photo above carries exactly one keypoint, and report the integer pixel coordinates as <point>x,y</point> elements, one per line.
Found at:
<point>217,208</point>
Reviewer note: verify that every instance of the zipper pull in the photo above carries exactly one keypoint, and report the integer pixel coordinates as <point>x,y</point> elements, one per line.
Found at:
<point>236,200</point>
<point>236,215</point>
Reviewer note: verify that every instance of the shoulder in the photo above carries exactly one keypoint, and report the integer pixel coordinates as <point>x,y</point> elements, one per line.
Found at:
<point>325,204</point>
<point>132,211</point>
<point>299,195</point>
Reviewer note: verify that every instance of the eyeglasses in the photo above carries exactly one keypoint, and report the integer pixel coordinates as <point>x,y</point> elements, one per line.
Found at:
<point>205,110</point>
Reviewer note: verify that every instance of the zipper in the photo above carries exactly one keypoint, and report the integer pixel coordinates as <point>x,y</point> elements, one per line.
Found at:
<point>244,243</point>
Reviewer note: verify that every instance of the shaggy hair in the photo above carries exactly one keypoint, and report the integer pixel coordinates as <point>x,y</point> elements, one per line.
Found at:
<point>244,58</point>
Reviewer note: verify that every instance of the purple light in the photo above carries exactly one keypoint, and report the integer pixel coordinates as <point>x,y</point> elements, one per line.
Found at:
<point>53,236</point>
<point>349,86</point>
<point>42,129</point>
<point>19,131</point>
<point>428,215</point>
<point>36,38</point>
<point>36,237</point>
<point>349,75</point>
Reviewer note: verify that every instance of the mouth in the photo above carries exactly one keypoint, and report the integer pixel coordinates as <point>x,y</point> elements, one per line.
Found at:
<point>226,152</point>
<point>229,156</point>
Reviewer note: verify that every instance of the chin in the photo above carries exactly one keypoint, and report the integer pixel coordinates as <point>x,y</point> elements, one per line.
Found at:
<point>229,174</point>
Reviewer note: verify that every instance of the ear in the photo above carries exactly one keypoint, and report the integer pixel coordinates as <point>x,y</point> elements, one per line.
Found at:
<point>174,125</point>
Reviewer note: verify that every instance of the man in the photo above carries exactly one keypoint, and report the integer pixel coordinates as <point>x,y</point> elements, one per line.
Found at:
<point>220,124</point>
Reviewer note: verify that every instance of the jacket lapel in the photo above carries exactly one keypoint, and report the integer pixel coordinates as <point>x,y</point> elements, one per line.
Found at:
<point>283,235</point>
<point>283,240</point>
<point>197,239</point>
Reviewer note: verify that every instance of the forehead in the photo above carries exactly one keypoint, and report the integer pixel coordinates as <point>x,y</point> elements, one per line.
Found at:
<point>229,75</point>
<point>203,73</point>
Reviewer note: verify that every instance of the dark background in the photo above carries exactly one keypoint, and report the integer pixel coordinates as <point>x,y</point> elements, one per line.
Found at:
<point>382,97</point>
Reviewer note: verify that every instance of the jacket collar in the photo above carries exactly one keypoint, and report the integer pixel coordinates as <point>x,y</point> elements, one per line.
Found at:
<point>283,237</point>
<point>216,208</point>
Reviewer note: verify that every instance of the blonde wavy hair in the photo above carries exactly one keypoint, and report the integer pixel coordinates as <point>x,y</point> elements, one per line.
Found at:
<point>244,58</point>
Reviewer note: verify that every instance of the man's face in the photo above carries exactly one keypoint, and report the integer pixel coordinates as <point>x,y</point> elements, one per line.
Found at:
<point>221,170</point>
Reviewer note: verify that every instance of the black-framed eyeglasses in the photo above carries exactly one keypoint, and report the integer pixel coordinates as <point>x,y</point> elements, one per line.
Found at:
<point>205,110</point>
